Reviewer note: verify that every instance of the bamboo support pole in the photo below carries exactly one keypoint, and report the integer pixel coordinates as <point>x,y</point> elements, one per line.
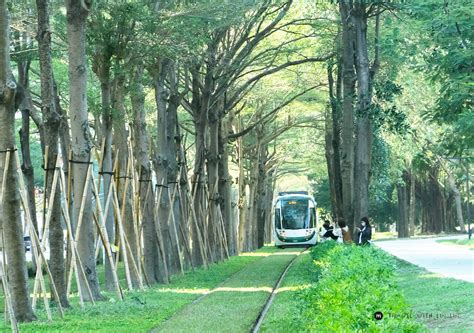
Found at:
<point>112,197</point>
<point>171,218</point>
<point>6,290</point>
<point>205,218</point>
<point>125,245</point>
<point>44,238</point>
<point>76,263</point>
<point>76,234</point>
<point>135,210</point>
<point>224,236</point>
<point>216,224</point>
<point>193,216</point>
<point>83,203</point>
<point>105,241</point>
<point>69,181</point>
<point>183,234</point>
<point>159,234</point>
<point>140,211</point>
<point>122,237</point>
<point>46,176</point>
<point>4,274</point>
<point>36,246</point>
<point>39,279</point>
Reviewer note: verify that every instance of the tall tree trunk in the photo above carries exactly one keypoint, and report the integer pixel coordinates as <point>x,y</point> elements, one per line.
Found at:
<point>242,193</point>
<point>146,193</point>
<point>10,215</point>
<point>363,125</point>
<point>333,142</point>
<point>213,183</point>
<point>124,177</point>
<point>269,191</point>
<point>77,12</point>
<point>107,174</point>
<point>225,190</point>
<point>431,201</point>
<point>166,162</point>
<point>185,227</point>
<point>402,223</point>
<point>51,121</point>
<point>412,211</point>
<point>174,220</point>
<point>260,217</point>
<point>251,221</point>
<point>347,130</point>
<point>457,201</point>
<point>330,162</point>
<point>101,66</point>
<point>199,106</point>
<point>26,108</point>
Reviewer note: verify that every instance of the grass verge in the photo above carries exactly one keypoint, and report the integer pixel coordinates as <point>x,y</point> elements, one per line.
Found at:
<point>141,310</point>
<point>442,304</point>
<point>469,243</point>
<point>283,315</point>
<point>355,282</point>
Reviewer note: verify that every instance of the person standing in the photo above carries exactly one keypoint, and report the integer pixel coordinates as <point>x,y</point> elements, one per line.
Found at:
<point>343,232</point>
<point>364,232</point>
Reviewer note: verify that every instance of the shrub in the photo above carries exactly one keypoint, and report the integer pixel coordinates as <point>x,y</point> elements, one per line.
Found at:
<point>354,283</point>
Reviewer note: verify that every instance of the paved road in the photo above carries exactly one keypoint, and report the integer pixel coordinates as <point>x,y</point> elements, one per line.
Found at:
<point>448,260</point>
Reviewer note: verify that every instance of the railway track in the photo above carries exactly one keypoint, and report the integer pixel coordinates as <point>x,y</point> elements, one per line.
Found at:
<point>261,316</point>
<point>233,305</point>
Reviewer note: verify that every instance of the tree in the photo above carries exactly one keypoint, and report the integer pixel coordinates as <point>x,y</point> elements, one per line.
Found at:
<point>12,233</point>
<point>51,123</point>
<point>77,11</point>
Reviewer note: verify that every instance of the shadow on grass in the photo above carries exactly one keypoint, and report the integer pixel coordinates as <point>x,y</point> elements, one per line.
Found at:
<point>141,310</point>
<point>440,303</point>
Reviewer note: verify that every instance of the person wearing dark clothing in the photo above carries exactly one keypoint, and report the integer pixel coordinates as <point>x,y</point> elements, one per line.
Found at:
<point>326,232</point>
<point>364,232</point>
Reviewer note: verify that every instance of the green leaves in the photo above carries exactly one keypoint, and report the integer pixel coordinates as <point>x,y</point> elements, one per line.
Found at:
<point>445,34</point>
<point>354,283</point>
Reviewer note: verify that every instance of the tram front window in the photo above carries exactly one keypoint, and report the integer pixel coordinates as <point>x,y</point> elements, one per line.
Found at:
<point>294,213</point>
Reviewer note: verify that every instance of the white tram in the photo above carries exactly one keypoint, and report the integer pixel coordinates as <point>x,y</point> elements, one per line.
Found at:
<point>295,219</point>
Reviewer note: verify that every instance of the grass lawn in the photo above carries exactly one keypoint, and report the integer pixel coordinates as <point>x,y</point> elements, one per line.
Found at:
<point>141,310</point>
<point>469,243</point>
<point>442,304</point>
<point>283,314</point>
<point>384,235</point>
<point>235,305</point>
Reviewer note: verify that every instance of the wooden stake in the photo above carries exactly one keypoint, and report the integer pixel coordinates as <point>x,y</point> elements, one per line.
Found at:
<point>6,286</point>
<point>36,246</point>
<point>135,209</point>
<point>193,216</point>
<point>44,238</point>
<point>76,264</point>
<point>159,234</point>
<point>171,217</point>
<point>105,241</point>
<point>4,274</point>
<point>183,234</point>
<point>122,237</point>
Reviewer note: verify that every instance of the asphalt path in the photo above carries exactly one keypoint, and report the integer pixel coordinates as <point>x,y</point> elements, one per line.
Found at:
<point>448,260</point>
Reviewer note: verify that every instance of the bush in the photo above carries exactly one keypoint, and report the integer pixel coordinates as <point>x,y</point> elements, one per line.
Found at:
<point>354,283</point>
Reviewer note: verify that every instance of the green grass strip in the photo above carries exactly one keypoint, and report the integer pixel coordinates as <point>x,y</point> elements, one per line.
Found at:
<point>235,305</point>
<point>442,304</point>
<point>141,311</point>
<point>469,243</point>
<point>286,308</point>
